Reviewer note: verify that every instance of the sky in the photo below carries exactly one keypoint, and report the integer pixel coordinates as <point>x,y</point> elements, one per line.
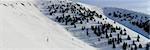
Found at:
<point>135,5</point>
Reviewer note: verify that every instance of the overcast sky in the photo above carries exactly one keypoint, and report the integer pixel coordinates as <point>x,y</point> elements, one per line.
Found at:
<point>135,5</point>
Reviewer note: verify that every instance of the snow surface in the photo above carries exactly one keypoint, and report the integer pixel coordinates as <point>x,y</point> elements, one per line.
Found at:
<point>92,40</point>
<point>22,25</point>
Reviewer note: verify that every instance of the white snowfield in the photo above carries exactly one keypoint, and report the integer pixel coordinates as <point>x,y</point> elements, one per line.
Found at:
<point>22,25</point>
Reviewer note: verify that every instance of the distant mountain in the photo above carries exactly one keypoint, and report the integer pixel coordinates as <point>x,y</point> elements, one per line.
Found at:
<point>136,21</point>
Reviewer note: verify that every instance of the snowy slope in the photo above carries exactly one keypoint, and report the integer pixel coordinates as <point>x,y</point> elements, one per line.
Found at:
<point>110,6</point>
<point>129,19</point>
<point>24,26</point>
<point>54,11</point>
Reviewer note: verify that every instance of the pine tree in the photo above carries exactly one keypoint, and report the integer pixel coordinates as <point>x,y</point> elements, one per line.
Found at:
<point>118,36</point>
<point>74,26</point>
<point>87,33</point>
<point>124,29</point>
<point>138,40</point>
<point>98,39</point>
<point>114,22</point>
<point>87,20</point>
<point>125,33</point>
<point>98,22</point>
<point>83,28</point>
<point>131,48</point>
<point>124,46</point>
<point>135,48</point>
<point>92,27</point>
<point>117,28</point>
<point>128,38</point>
<point>114,46</point>
<point>66,22</point>
<point>81,22</point>
<point>107,35</point>
<point>109,14</point>
<point>147,46</point>
<point>120,39</point>
<point>140,46</point>
<point>114,30</point>
<point>133,43</point>
<point>121,32</point>
<point>57,17</point>
<point>115,15</point>
<point>109,41</point>
<point>100,16</point>
<point>110,35</point>
<point>138,37</point>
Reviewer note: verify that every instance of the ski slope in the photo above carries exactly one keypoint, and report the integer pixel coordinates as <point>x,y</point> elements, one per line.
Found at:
<point>22,25</point>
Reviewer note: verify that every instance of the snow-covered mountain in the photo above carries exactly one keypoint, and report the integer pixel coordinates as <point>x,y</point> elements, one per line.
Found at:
<point>64,24</point>
<point>89,23</point>
<point>136,21</point>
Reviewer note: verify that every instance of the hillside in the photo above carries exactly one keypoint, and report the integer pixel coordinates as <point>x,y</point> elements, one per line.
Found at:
<point>138,22</point>
<point>89,24</point>
<point>24,26</point>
